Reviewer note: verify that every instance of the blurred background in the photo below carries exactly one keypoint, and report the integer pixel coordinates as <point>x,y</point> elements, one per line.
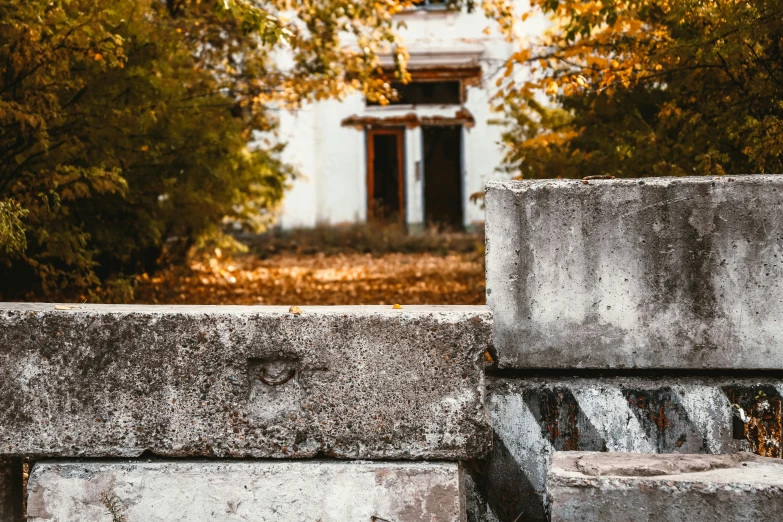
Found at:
<point>335,151</point>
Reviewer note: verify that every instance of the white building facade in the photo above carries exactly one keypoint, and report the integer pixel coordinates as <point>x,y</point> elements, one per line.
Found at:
<point>418,160</point>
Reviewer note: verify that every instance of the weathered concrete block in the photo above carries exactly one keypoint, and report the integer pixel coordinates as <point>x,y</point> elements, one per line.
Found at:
<point>281,491</point>
<point>535,417</point>
<point>630,487</point>
<point>356,382</point>
<point>653,273</point>
<point>11,491</point>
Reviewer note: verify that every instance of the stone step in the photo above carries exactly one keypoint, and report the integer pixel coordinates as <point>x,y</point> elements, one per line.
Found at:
<point>281,491</point>
<point>219,381</point>
<point>655,273</point>
<point>635,487</point>
<point>535,417</point>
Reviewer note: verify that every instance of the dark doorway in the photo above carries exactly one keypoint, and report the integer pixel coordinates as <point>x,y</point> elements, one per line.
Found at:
<point>443,175</point>
<point>385,175</point>
<point>437,92</point>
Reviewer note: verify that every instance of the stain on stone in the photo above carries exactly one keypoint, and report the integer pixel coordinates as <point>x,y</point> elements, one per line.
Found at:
<point>664,420</point>
<point>562,421</point>
<point>757,418</point>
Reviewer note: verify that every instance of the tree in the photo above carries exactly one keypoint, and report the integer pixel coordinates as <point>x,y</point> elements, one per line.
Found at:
<point>650,88</point>
<point>125,125</point>
<point>117,136</point>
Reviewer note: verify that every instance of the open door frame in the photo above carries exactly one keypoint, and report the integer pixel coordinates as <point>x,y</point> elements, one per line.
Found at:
<point>400,133</point>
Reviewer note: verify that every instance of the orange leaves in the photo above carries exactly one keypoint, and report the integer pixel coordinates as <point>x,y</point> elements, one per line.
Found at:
<point>317,279</point>
<point>594,45</point>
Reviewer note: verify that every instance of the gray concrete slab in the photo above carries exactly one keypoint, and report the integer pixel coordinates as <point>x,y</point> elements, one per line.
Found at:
<point>281,491</point>
<point>354,382</point>
<point>535,417</point>
<point>648,273</point>
<point>634,487</point>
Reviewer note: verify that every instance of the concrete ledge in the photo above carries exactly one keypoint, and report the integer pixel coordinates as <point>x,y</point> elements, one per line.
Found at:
<point>535,417</point>
<point>653,273</point>
<point>608,487</point>
<point>355,382</point>
<point>268,491</point>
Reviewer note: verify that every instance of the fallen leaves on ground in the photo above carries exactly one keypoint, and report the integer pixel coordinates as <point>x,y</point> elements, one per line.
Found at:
<point>421,278</point>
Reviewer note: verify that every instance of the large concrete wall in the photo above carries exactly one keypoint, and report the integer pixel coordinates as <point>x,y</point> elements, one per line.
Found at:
<point>691,264</point>
<point>351,382</point>
<point>656,273</point>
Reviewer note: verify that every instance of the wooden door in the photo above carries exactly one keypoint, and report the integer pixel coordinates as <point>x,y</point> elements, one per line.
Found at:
<point>386,174</point>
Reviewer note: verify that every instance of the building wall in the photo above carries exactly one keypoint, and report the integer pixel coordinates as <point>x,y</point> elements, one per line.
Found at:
<point>332,157</point>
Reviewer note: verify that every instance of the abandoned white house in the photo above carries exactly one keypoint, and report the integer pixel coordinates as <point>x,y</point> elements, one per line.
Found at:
<point>418,159</point>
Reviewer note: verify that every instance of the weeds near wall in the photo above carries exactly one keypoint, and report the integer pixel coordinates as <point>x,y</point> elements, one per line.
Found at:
<point>114,507</point>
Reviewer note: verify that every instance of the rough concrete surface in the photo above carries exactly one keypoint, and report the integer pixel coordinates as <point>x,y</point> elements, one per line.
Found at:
<point>265,491</point>
<point>609,487</point>
<point>647,273</point>
<point>535,417</point>
<point>11,490</point>
<point>353,382</point>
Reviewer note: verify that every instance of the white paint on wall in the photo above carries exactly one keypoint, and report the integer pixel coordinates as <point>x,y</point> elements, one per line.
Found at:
<point>519,430</point>
<point>332,158</point>
<point>607,410</point>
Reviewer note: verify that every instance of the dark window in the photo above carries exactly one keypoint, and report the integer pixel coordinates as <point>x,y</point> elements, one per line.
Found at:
<point>427,93</point>
<point>431,4</point>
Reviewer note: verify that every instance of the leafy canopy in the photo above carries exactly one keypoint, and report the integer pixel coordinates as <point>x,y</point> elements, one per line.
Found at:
<point>126,125</point>
<point>649,88</point>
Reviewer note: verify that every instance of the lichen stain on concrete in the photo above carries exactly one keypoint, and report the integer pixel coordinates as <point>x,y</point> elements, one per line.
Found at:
<point>757,418</point>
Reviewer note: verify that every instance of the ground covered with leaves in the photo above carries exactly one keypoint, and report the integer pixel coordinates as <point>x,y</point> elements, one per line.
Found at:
<point>288,279</point>
<point>327,266</point>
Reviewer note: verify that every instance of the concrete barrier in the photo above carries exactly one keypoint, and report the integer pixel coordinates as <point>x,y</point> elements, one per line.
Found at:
<point>654,273</point>
<point>269,491</point>
<point>535,417</point>
<point>657,274</point>
<point>355,382</point>
<point>609,487</point>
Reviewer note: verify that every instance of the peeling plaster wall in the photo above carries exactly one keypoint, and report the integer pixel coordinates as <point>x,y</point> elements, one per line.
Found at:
<point>332,157</point>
